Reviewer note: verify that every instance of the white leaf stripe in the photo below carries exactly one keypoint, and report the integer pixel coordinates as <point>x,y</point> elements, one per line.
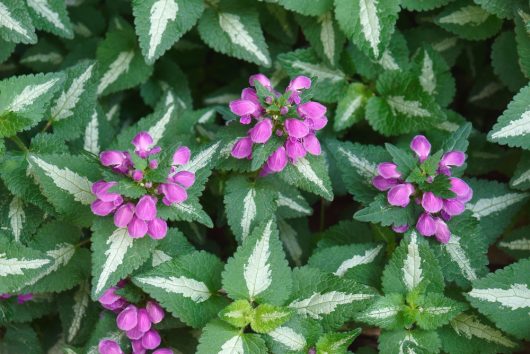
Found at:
<point>412,272</point>
<point>351,108</point>
<point>523,177</point>
<point>370,24</point>
<point>29,94</point>
<point>285,201</point>
<point>357,260</point>
<point>78,186</point>
<point>159,257</point>
<point>60,256</point>
<point>68,100</point>
<point>231,24</point>
<point>44,10</point>
<point>233,346</point>
<point>516,245</point>
<point>157,130</point>
<point>435,310</point>
<point>319,304</point>
<point>162,12</point>
<point>487,91</point>
<point>516,297</point>
<point>387,61</point>
<point>206,116</point>
<point>327,36</point>
<point>51,57</point>
<point>289,237</point>
<point>381,313</point>
<point>16,266</point>
<point>91,141</point>
<point>468,15</point>
<point>458,255</point>
<point>81,300</point>
<point>445,44</point>
<point>515,127</point>
<point>118,244</point>
<point>407,107</point>
<point>201,160</point>
<point>469,326</point>
<point>322,72</point>
<point>306,170</point>
<point>288,337</point>
<point>257,271</point>
<point>8,21</point>
<point>427,76</point>
<point>116,69</point>
<point>193,289</point>
<point>363,166</point>
<point>487,206</point>
<point>17,217</point>
<point>249,212</point>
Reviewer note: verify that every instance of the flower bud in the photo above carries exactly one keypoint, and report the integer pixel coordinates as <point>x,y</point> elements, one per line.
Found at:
<point>146,208</point>
<point>426,225</point>
<point>156,313</point>
<point>242,148</point>
<point>296,128</point>
<point>421,146</point>
<point>137,228</point>
<point>400,195</point>
<point>137,175</point>
<point>151,339</point>
<point>181,156</point>
<point>127,318</point>
<point>157,228</point>
<point>107,346</point>
<point>431,203</point>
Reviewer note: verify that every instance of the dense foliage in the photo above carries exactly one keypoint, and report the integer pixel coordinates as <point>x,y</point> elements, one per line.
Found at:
<point>276,176</point>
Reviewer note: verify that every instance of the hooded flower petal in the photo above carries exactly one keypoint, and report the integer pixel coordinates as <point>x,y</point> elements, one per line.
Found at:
<point>127,318</point>
<point>157,228</point>
<point>124,215</point>
<point>102,208</point>
<point>261,132</point>
<point>388,170</point>
<point>173,193</point>
<point>142,143</point>
<point>137,228</point>
<point>156,313</point>
<point>400,229</point>
<point>294,149</point>
<point>400,195</point>
<point>144,323</point>
<point>463,192</point>
<point>453,207</point>
<point>421,146</point>
<point>278,160</point>
<point>296,128</point>
<point>112,158</point>
<point>431,203</point>
<point>250,95</point>
<point>383,184</point>
<point>262,79</point>
<point>243,107</point>
<point>242,148</point>
<point>316,123</point>
<point>181,156</point>
<point>312,110</point>
<point>312,145</point>
<point>107,346</point>
<point>426,225</point>
<point>184,178</point>
<point>453,158</point>
<point>146,208</point>
<point>151,339</point>
<point>299,83</point>
<point>101,190</point>
<point>443,234</point>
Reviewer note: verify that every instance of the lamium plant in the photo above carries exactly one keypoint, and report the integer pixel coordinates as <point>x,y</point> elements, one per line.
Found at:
<point>254,177</point>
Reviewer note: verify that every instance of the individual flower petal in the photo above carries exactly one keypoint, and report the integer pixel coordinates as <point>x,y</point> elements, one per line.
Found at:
<point>312,145</point>
<point>163,351</point>
<point>431,203</point>
<point>242,148</point>
<point>124,215</point>
<point>312,110</point>
<point>421,146</point>
<point>181,156</point>
<point>22,298</point>
<point>137,346</point>
<point>102,208</point>
<point>173,193</point>
<point>144,323</point>
<point>142,143</point>
<point>135,334</point>
<point>261,132</point>
<point>316,123</point>
<point>262,79</point>
<point>157,228</point>
<point>442,233</point>
<point>101,190</point>
<point>243,107</point>
<point>278,160</point>
<point>146,208</point>
<point>400,229</point>
<point>137,175</point>
<point>153,164</point>
<point>453,207</point>
<point>151,339</point>
<point>128,318</point>
<point>426,225</point>
<point>109,296</point>
<point>453,158</point>
<point>184,178</point>
<point>388,170</point>
<point>156,313</point>
<point>294,149</point>
<point>299,83</point>
<point>245,120</point>
<point>383,184</point>
<point>250,95</point>
<point>400,195</point>
<point>107,346</point>
<point>296,128</point>
<point>137,228</point>
<point>112,158</point>
<point>463,192</point>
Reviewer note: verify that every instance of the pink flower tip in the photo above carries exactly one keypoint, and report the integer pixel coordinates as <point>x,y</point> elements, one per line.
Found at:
<point>261,132</point>
<point>399,195</point>
<point>426,225</point>
<point>155,311</point>
<point>453,158</point>
<point>262,79</point>
<point>400,228</point>
<point>124,215</point>
<point>157,228</point>
<point>146,208</point>
<point>128,318</point>
<point>142,143</point>
<point>181,156</point>
<point>278,160</point>
<point>296,128</point>
<point>243,108</point>
<point>137,228</point>
<point>312,110</point>
<point>151,339</point>
<point>388,170</point>
<point>421,146</point>
<point>107,346</point>
<point>242,148</point>
<point>431,203</point>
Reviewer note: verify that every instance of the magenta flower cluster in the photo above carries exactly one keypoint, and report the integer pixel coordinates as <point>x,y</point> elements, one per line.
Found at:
<point>137,323</point>
<point>436,210</point>
<point>284,115</point>
<point>22,298</point>
<point>140,217</point>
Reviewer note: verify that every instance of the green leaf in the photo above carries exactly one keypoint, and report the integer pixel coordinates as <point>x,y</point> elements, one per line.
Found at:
<point>295,336</point>
<point>385,312</point>
<point>494,205</point>
<point>261,152</point>
<point>521,177</point>
<point>405,161</point>
<point>19,339</point>
<point>315,8</point>
<point>500,8</point>
<point>247,204</point>
<point>310,173</point>
<point>523,40</point>
<point>350,108</point>
<point>239,313</point>
<point>235,31</point>
<point>115,255</point>
<point>368,24</point>
<point>24,100</point>
<point>336,342</point>
<point>51,16</point>
<point>72,110</point>
<point>459,139</point>
<point>409,341</point>
<point>12,312</point>
<point>358,165</point>
<point>327,299</point>
<point>187,286</point>
<point>504,297</point>
<point>106,329</point>
<point>16,25</point>
<point>258,270</point>
<point>78,314</point>
<point>505,61</point>
<point>379,211</point>
<point>331,83</point>
<point>268,317</point>
<point>517,243</point>
<point>412,267</point>
<point>469,333</point>
<point>468,21</point>
<point>290,203</point>
<point>18,218</point>
<point>423,5</point>
<point>403,106</point>
<point>513,127</point>
<point>218,337</point>
<point>120,62</point>
<point>160,23</point>
<point>190,210</point>
<point>436,310</point>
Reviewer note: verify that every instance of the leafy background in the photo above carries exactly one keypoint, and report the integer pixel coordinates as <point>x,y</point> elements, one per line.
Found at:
<point>445,62</point>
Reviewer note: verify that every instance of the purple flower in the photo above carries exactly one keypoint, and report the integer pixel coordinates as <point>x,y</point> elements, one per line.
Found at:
<point>142,143</point>
<point>124,215</point>
<point>296,128</point>
<point>463,192</point>
<point>311,144</point>
<point>135,334</point>
<point>184,178</point>
<point>388,170</point>
<point>453,207</point>
<point>101,191</point>
<point>453,158</point>
<point>399,195</point>
<point>107,346</point>
<point>151,339</point>
<point>278,160</point>
<point>442,233</point>
<point>181,156</point>
<point>146,208</point>
<point>163,351</point>
<point>294,149</point>
<point>157,228</point>
<point>127,318</point>
<point>261,132</point>
<point>296,85</point>
<point>400,229</point>
<point>137,228</point>
<point>431,203</point>
<point>311,110</point>
<point>173,193</point>
<point>242,148</point>
<point>384,184</point>
<point>262,79</point>
<point>137,346</point>
<point>426,225</point>
<point>243,108</point>
<point>102,208</point>
<point>144,323</point>
<point>22,298</point>
<point>421,146</point>
<point>156,313</point>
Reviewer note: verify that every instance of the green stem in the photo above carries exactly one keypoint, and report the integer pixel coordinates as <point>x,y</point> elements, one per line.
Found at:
<point>18,142</point>
<point>47,126</point>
